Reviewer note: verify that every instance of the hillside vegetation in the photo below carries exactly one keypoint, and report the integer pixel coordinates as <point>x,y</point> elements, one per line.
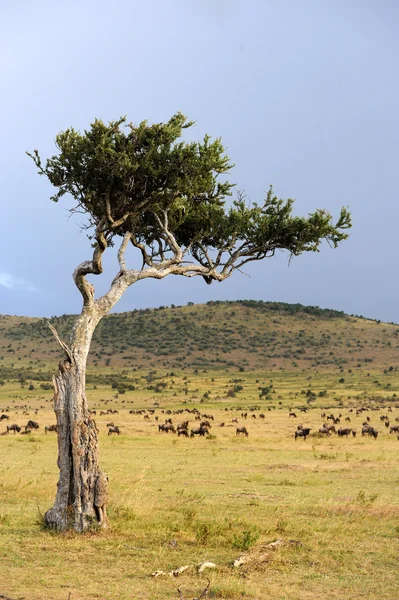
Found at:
<point>245,334</point>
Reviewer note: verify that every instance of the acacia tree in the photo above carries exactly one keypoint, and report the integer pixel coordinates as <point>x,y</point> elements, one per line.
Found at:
<point>146,187</point>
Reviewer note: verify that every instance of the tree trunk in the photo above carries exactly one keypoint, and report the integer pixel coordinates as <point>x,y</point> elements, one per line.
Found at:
<point>76,504</point>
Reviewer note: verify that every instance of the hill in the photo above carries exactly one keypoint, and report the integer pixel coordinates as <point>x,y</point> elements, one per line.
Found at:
<point>244,335</point>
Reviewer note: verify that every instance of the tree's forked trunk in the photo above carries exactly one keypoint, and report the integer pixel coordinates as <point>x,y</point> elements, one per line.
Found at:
<point>82,488</point>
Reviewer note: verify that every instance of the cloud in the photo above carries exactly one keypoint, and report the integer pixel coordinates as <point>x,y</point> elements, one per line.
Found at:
<point>14,283</point>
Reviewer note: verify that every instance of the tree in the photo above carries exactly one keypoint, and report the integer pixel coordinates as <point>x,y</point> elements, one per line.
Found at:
<point>146,187</point>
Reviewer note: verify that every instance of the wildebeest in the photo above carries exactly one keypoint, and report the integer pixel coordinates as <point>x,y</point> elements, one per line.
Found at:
<point>369,430</point>
<point>50,428</point>
<point>344,431</point>
<point>114,429</point>
<point>242,430</point>
<point>304,432</point>
<point>15,428</point>
<point>324,430</point>
<point>166,427</point>
<point>32,425</point>
<point>292,414</point>
<point>4,417</point>
<point>183,425</point>
<point>202,431</point>
<point>182,432</point>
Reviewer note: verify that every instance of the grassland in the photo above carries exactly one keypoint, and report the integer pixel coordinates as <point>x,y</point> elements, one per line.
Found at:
<point>177,501</point>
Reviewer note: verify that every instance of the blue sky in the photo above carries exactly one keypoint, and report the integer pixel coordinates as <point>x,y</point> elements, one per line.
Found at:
<point>304,94</point>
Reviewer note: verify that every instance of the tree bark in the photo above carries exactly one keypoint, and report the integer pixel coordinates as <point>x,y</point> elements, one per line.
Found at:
<point>75,502</point>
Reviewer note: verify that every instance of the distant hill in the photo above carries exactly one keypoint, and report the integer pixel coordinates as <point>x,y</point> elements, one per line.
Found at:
<point>244,335</point>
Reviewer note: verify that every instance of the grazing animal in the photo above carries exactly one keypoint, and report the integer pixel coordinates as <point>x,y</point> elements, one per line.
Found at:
<point>292,414</point>
<point>32,425</point>
<point>115,429</point>
<point>26,432</point>
<point>304,432</point>
<point>201,431</point>
<point>50,428</point>
<point>15,428</point>
<point>182,432</point>
<point>4,417</point>
<point>101,497</point>
<point>344,432</point>
<point>111,424</point>
<point>242,430</point>
<point>166,427</point>
<point>369,430</point>
<point>325,430</point>
<point>183,425</point>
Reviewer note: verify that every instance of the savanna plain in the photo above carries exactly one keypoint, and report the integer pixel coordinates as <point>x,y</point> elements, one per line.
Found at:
<point>330,501</point>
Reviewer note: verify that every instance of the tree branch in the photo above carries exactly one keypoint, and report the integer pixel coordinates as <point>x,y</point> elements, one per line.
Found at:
<point>63,345</point>
<point>122,250</point>
<point>93,266</point>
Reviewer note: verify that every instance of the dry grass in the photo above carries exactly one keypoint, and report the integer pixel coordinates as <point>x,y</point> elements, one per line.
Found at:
<point>183,501</point>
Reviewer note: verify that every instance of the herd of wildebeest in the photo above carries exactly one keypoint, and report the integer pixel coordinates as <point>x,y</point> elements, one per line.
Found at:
<point>203,422</point>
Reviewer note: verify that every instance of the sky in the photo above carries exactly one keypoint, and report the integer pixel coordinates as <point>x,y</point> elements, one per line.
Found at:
<point>304,95</point>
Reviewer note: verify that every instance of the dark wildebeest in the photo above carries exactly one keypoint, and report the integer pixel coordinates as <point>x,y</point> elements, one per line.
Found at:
<point>4,417</point>
<point>15,428</point>
<point>369,430</point>
<point>304,432</point>
<point>202,431</point>
<point>292,414</point>
<point>50,428</point>
<point>182,432</point>
<point>166,427</point>
<point>344,431</point>
<point>32,425</point>
<point>325,431</point>
<point>114,429</point>
<point>183,425</point>
<point>242,430</point>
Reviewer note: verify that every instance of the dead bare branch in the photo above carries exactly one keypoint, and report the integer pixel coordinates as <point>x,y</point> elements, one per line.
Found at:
<point>63,345</point>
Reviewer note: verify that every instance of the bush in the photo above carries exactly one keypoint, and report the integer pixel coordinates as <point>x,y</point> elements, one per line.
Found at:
<point>246,539</point>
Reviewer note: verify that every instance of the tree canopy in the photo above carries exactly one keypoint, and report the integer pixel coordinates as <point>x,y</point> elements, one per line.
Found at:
<point>167,197</point>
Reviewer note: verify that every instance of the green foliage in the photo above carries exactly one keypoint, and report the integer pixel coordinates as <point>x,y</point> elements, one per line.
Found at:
<point>140,170</point>
<point>126,178</point>
<point>246,539</point>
